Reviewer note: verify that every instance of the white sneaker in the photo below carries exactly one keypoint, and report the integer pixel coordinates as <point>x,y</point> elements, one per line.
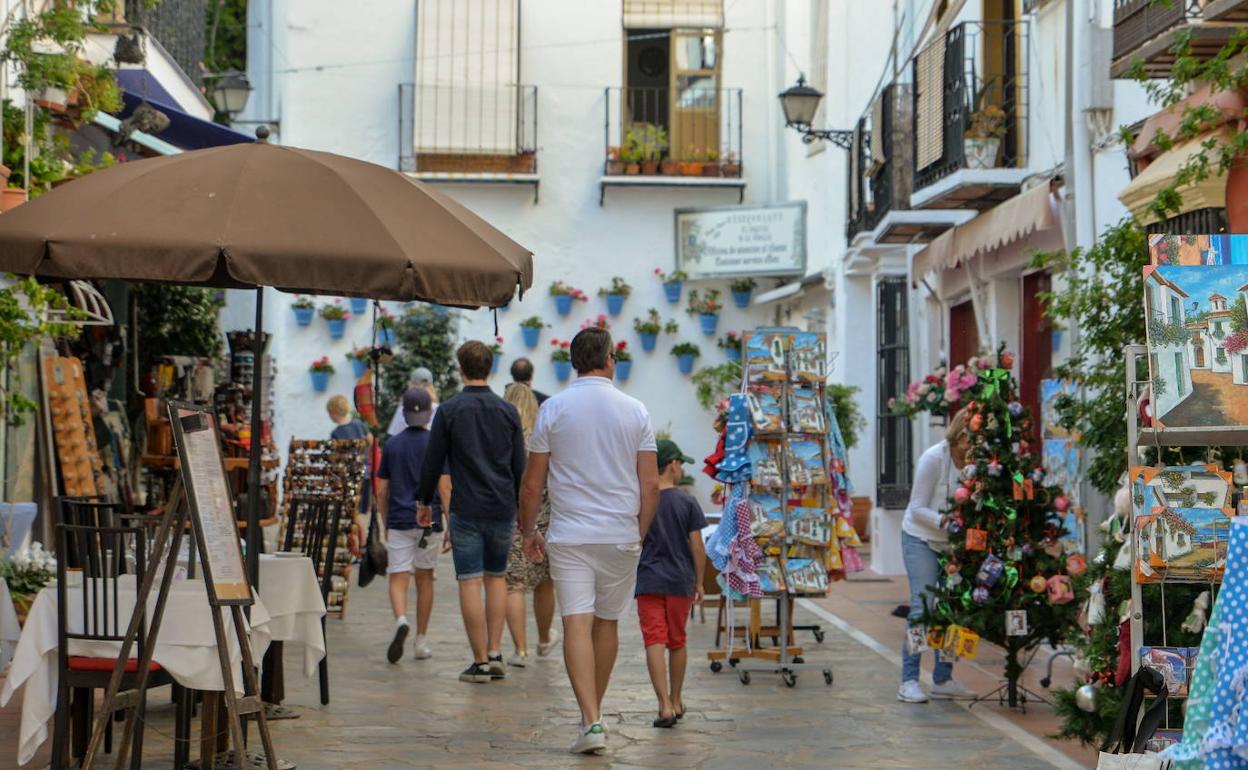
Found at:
<point>518,660</point>
<point>592,740</point>
<point>910,692</point>
<point>545,649</point>
<point>420,650</point>
<point>951,690</point>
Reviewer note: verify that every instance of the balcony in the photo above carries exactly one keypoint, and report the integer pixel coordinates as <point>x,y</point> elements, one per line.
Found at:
<point>686,138</point>
<point>476,134</point>
<point>880,168</point>
<point>1145,30</point>
<point>972,82</point>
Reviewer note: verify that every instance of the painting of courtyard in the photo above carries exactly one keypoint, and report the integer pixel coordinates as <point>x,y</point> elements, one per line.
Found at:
<point>1198,344</point>
<point>1183,543</point>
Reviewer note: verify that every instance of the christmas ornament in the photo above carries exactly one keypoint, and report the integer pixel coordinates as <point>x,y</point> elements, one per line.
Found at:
<point>990,571</point>
<point>1076,564</point>
<point>1087,698</point>
<point>1015,409</point>
<point>1016,622</point>
<point>992,423</point>
<point>953,581</point>
<point>961,494</point>
<point>1038,583</point>
<point>1027,549</point>
<point>976,539</point>
<point>975,423</point>
<point>994,467</point>
<point>969,472</point>
<point>980,594</point>
<point>1053,548</point>
<point>1061,503</point>
<point>952,568</point>
<point>1037,475</point>
<point>1007,360</point>
<point>954,527</point>
<point>1060,589</point>
<point>1015,553</point>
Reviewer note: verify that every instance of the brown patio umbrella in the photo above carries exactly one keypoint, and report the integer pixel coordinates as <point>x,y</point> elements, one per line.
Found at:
<point>256,215</point>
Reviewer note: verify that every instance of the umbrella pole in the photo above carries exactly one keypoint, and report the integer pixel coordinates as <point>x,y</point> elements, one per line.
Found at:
<point>257,445</point>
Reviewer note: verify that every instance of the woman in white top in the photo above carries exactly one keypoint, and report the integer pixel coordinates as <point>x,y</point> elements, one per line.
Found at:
<point>923,538</point>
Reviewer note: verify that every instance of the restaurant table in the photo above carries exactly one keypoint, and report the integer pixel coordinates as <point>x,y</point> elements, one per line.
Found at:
<point>296,608</point>
<point>10,631</point>
<point>185,647</point>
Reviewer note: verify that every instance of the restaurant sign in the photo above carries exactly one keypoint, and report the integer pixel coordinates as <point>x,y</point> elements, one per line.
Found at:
<point>742,240</point>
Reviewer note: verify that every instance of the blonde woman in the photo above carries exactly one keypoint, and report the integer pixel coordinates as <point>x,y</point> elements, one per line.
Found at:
<point>524,575</point>
<point>923,539</point>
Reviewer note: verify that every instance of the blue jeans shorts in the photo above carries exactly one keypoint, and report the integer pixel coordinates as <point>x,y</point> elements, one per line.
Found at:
<point>480,546</point>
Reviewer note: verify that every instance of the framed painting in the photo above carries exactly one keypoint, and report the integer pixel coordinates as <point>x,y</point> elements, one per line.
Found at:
<point>1182,522</point>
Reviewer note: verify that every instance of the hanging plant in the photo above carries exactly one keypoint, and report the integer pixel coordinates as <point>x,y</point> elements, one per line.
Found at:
<point>618,288</point>
<point>334,312</point>
<point>24,309</point>
<point>562,351</point>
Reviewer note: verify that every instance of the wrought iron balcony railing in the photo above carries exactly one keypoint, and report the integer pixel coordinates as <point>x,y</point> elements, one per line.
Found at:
<point>468,129</point>
<point>690,131</point>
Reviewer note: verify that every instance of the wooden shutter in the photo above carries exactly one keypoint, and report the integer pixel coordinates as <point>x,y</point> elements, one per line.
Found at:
<point>669,14</point>
<point>929,102</point>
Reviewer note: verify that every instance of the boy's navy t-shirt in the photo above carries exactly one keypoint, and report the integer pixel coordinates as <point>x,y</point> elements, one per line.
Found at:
<point>666,565</point>
<point>402,457</point>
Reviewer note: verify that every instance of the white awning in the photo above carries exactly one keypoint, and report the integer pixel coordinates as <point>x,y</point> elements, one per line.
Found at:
<point>1209,193</point>
<point>670,14</point>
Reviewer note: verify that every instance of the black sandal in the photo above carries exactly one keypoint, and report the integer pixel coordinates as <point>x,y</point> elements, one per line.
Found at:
<point>663,721</point>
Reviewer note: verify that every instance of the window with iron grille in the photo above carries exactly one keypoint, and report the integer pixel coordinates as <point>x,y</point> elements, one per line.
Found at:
<point>893,435</point>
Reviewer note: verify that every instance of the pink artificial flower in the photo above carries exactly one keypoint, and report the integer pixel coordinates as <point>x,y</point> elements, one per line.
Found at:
<point>967,381</point>
<point>952,395</point>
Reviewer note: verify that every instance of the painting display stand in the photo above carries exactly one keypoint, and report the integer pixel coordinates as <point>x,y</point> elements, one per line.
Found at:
<point>200,495</point>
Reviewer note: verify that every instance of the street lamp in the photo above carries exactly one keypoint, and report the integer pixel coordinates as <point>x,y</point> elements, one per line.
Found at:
<point>229,92</point>
<point>800,102</point>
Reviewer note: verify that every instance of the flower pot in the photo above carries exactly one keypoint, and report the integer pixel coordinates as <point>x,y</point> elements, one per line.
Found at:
<point>730,169</point>
<point>615,303</point>
<point>650,167</point>
<point>530,335</point>
<point>981,153</point>
<point>710,322</point>
<point>359,367</point>
<point>672,291</point>
<point>337,327</point>
<point>11,198</point>
<point>21,606</point>
<point>710,169</point>
<point>320,381</point>
<point>742,298</point>
<point>690,168</point>
<point>669,167</point>
<point>632,169</point>
<point>303,315</point>
<point>385,337</point>
<point>615,167</point>
<point>860,517</point>
<point>684,362</point>
<point>648,340</point>
<point>623,369</point>
<point>733,353</point>
<point>563,370</point>
<point>359,305</point>
<point>494,363</point>
<point>563,304</point>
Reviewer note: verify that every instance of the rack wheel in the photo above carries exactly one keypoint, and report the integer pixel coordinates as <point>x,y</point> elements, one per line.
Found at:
<point>799,659</point>
<point>819,635</point>
<point>789,678</point>
<point>716,666</point>
<point>827,677</point>
<point>744,676</point>
<point>733,662</point>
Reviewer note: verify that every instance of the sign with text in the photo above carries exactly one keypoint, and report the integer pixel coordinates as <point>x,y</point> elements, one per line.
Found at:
<point>742,240</point>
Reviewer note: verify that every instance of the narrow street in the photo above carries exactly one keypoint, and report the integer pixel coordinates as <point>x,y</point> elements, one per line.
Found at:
<point>1215,400</point>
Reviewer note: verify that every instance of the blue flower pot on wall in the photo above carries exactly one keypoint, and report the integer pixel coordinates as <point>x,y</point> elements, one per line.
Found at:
<point>742,298</point>
<point>622,370</point>
<point>494,363</point>
<point>337,327</point>
<point>615,303</point>
<point>648,341</point>
<point>359,305</point>
<point>530,335</point>
<point>358,367</point>
<point>710,322</point>
<point>320,381</point>
<point>685,362</point>
<point>734,354</point>
<point>303,315</point>
<point>563,370</point>
<point>563,304</point>
<point>385,337</point>
<point>672,290</point>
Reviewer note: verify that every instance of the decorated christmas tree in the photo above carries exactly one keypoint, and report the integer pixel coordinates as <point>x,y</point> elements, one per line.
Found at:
<point>1008,577</point>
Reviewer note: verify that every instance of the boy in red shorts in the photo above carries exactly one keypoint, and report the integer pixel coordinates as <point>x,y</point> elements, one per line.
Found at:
<point>669,581</point>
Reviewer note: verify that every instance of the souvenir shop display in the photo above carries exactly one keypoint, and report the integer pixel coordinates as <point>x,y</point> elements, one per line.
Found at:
<point>77,455</point>
<point>331,469</point>
<point>785,530</point>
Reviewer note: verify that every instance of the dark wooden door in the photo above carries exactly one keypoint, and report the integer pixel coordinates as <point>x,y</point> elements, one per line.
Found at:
<point>1036,350</point>
<point>963,333</point>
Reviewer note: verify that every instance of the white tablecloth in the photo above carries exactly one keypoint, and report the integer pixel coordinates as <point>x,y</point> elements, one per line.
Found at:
<point>10,631</point>
<point>292,597</point>
<point>186,648</point>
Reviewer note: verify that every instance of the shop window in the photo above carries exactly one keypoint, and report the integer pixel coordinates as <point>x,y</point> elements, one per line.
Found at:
<point>893,438</point>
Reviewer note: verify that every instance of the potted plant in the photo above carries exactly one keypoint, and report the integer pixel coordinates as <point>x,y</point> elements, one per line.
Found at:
<point>616,293</point>
<point>648,329</point>
<point>531,330</point>
<point>564,296</point>
<point>692,166</point>
<point>561,359</point>
<point>385,329</point>
<point>730,343</point>
<point>600,322</point>
<point>321,370</point>
<point>686,353</point>
<point>742,291</point>
<point>706,309</point>
<point>336,316</point>
<point>615,164</point>
<point>623,361</point>
<point>631,156</point>
<point>668,166</point>
<point>304,309</point>
<point>982,139</point>
<point>26,572</point>
<point>359,361</point>
<point>497,350</point>
<point>359,305</point>
<point>711,166</point>
<point>731,165</point>
<point>672,282</point>
<point>653,140</point>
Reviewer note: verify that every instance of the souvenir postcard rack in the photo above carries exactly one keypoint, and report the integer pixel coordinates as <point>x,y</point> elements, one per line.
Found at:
<point>332,469</point>
<point>791,505</point>
<point>1178,531</point>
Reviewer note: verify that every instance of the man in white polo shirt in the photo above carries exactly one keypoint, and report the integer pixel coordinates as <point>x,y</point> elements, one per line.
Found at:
<point>593,449</point>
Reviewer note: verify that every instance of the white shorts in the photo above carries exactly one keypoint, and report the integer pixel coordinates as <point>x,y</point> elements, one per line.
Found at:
<point>594,578</point>
<point>405,553</point>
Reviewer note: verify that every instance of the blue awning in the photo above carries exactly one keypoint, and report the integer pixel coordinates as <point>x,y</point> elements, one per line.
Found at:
<point>185,131</point>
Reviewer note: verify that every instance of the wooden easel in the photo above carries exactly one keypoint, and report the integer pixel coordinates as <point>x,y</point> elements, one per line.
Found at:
<point>194,485</point>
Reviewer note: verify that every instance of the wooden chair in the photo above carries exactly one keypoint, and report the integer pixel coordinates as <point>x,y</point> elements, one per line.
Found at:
<point>100,553</point>
<point>85,512</point>
<point>318,522</point>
